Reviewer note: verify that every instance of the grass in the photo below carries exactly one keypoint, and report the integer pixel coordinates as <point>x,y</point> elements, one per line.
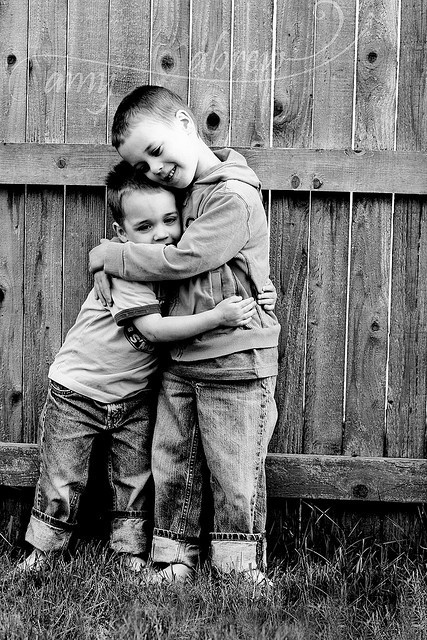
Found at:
<point>358,590</point>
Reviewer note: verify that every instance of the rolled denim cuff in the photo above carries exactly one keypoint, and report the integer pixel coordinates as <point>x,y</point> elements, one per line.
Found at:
<point>170,549</point>
<point>45,536</point>
<point>238,552</point>
<point>130,535</point>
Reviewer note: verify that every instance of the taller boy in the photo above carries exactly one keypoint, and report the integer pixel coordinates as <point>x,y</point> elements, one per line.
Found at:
<point>216,411</point>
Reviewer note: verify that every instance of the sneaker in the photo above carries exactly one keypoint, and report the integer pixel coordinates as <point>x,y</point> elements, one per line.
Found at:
<point>256,578</point>
<point>134,563</point>
<point>33,563</point>
<point>176,572</point>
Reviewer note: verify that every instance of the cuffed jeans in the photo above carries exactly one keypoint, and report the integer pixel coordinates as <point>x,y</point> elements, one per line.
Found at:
<point>69,425</point>
<point>209,449</point>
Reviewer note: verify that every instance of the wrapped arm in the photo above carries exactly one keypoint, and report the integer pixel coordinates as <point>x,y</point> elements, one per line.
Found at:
<point>210,241</point>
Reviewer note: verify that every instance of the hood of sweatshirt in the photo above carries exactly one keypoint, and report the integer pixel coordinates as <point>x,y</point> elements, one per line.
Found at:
<point>231,166</point>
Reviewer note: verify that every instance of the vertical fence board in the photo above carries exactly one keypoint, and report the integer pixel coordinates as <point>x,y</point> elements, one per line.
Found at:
<point>289,244</point>
<point>129,50</point>
<point>334,74</point>
<point>13,70</point>
<point>329,230</point>
<point>292,127</point>
<point>170,46</point>
<point>412,104</point>
<point>86,122</point>
<point>210,70</point>
<point>47,77</point>
<point>11,312</point>
<point>87,77</point>
<point>44,211</point>
<point>251,68</point>
<point>293,82</point>
<point>368,324</point>
<point>82,205</point>
<point>371,233</point>
<point>376,74</point>
<point>406,408</point>
<point>327,293</point>
<point>42,297</point>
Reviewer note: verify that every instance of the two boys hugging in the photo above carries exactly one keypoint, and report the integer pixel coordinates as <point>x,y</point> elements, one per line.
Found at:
<point>215,407</point>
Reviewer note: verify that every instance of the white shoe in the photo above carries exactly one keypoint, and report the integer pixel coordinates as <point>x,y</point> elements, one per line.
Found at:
<point>133,563</point>
<point>33,563</point>
<point>173,573</point>
<point>256,577</point>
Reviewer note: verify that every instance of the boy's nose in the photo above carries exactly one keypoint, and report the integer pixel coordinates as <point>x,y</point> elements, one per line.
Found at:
<point>161,233</point>
<point>156,167</point>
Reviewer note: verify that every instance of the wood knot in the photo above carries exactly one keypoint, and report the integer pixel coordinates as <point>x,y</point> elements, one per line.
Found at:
<point>61,163</point>
<point>11,59</point>
<point>317,183</point>
<point>295,182</point>
<point>213,121</point>
<point>277,108</point>
<point>371,57</point>
<point>360,491</point>
<point>167,62</point>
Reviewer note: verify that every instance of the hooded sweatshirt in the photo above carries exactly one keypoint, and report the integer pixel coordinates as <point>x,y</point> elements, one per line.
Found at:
<point>222,252</point>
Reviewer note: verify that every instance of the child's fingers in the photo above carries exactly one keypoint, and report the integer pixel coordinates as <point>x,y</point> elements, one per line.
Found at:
<point>247,303</point>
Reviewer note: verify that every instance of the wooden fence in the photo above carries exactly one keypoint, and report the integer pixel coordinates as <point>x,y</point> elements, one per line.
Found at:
<point>327,100</point>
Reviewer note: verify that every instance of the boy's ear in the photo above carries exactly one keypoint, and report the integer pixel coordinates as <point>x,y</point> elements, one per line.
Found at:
<point>120,232</point>
<point>185,120</point>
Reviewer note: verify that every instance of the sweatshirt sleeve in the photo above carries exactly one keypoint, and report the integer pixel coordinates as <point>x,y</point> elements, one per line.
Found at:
<point>214,238</point>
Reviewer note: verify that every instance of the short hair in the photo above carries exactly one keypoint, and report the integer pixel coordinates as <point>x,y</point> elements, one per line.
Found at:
<point>148,100</point>
<point>123,179</point>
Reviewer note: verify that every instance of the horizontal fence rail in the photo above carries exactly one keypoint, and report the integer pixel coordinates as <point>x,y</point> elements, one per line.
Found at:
<point>315,477</point>
<point>336,170</point>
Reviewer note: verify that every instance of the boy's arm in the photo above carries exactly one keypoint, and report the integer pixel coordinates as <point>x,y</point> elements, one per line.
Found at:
<point>231,312</point>
<point>210,241</point>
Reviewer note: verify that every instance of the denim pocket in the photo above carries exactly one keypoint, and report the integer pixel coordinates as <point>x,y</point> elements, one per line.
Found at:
<point>58,390</point>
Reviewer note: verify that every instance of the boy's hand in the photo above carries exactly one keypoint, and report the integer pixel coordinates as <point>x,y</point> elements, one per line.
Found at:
<point>97,256</point>
<point>268,296</point>
<point>235,312</point>
<point>102,288</point>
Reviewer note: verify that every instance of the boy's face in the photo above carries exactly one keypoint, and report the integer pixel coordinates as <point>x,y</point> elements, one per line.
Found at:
<point>150,218</point>
<point>166,152</point>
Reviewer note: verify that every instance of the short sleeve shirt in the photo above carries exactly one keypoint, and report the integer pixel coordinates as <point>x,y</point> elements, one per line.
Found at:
<point>103,356</point>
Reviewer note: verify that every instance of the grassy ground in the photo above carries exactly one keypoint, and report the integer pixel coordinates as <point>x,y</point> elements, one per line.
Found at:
<point>360,592</point>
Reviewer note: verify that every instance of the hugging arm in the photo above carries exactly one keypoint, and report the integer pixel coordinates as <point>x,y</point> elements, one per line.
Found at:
<point>231,312</point>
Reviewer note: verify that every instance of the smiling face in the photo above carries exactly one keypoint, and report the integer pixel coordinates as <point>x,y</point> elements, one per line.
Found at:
<point>167,153</point>
<point>150,218</point>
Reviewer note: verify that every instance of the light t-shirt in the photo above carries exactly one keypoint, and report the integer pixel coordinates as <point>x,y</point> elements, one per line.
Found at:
<point>103,356</point>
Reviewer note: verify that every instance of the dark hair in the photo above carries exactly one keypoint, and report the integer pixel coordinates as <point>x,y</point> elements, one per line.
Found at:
<point>122,179</point>
<point>148,100</point>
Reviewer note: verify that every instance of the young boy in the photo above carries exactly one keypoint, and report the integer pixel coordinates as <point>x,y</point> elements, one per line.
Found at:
<point>216,410</point>
<point>101,383</point>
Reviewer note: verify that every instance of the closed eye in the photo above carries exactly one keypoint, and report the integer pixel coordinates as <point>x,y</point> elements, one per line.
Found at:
<point>171,219</point>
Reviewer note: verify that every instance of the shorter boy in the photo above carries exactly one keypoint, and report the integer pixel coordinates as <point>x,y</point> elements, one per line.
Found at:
<point>101,382</point>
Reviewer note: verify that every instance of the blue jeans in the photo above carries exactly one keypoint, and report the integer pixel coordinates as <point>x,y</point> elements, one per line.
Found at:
<point>209,449</point>
<point>69,425</point>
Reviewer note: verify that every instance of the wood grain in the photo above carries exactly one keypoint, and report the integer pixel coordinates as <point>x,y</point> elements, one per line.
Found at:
<point>13,70</point>
<point>42,298</point>
<point>343,170</point>
<point>128,51</point>
<point>170,45</point>
<point>210,70</point>
<point>12,205</point>
<point>288,268</point>
<point>251,73</point>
